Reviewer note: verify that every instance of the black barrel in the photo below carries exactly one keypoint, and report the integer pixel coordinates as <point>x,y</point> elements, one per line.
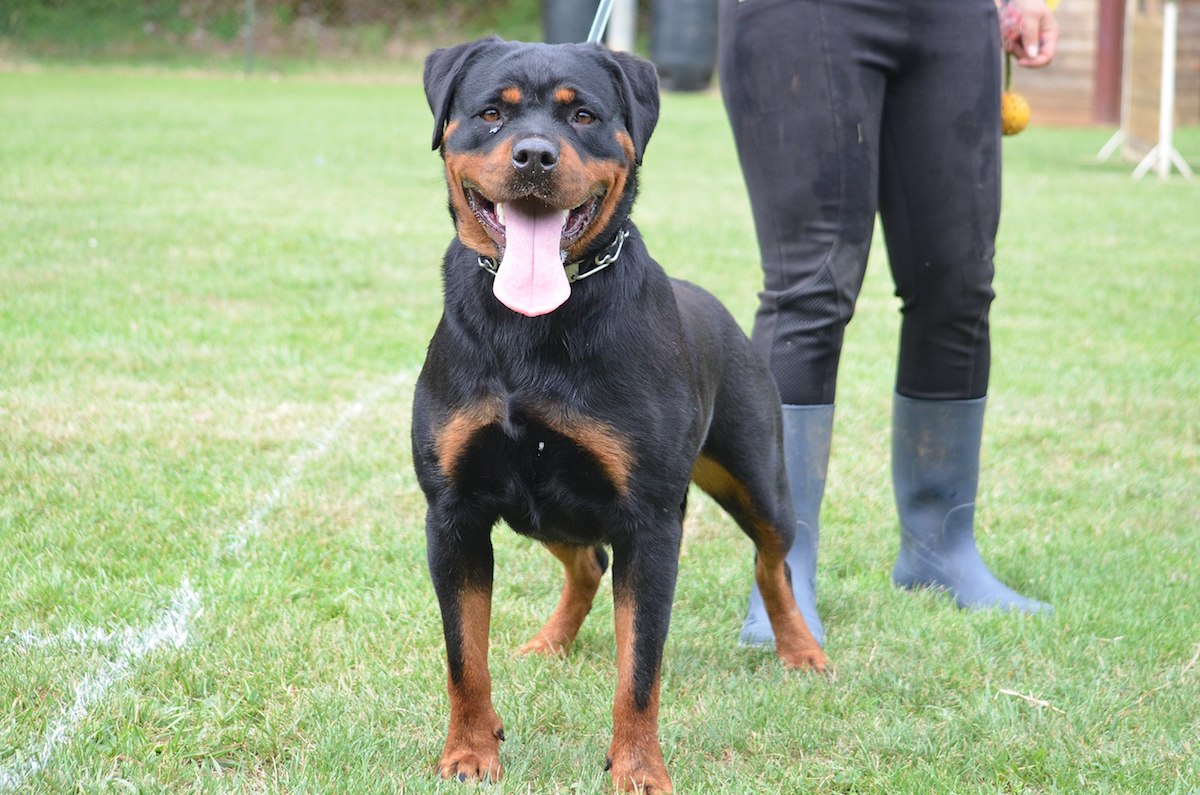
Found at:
<point>683,43</point>
<point>567,20</point>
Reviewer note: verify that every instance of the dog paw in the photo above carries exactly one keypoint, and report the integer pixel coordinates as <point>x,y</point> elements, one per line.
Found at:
<point>805,659</point>
<point>641,776</point>
<point>475,759</point>
<point>643,782</point>
<point>469,766</point>
<point>545,646</point>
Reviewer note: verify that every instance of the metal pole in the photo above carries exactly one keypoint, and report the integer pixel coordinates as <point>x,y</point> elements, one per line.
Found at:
<point>250,20</point>
<point>600,22</point>
<point>623,25</point>
<point>1122,132</point>
<point>1162,156</point>
<point>1166,97</point>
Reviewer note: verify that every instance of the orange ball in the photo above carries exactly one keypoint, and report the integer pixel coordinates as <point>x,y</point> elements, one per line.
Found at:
<point>1014,113</point>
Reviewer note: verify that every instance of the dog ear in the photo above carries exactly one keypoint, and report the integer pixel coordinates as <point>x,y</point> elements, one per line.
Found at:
<point>638,84</point>
<point>442,70</point>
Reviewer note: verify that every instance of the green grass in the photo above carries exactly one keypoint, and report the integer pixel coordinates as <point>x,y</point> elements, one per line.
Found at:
<point>290,36</point>
<point>199,276</point>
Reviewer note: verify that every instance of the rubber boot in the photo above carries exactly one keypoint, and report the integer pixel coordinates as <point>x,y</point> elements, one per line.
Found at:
<point>935,474</point>
<point>806,436</point>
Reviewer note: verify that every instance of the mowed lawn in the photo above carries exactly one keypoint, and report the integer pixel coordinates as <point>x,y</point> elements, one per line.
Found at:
<point>215,295</point>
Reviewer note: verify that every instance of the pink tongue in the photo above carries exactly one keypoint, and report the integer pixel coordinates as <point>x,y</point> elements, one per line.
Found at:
<point>531,279</point>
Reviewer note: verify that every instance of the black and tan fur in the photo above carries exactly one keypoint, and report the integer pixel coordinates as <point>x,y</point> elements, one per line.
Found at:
<point>581,428</point>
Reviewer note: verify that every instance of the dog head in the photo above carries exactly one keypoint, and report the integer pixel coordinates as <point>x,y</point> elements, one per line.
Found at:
<point>541,143</point>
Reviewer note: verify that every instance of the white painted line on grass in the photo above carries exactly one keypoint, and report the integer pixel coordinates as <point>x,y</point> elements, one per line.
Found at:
<point>235,541</point>
<point>82,637</point>
<point>172,625</point>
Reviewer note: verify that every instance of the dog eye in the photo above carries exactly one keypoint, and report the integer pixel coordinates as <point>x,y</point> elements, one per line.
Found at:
<point>490,115</point>
<point>583,116</point>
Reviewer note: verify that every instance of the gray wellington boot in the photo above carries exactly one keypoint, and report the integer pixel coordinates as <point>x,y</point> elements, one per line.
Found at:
<point>935,474</point>
<point>807,431</point>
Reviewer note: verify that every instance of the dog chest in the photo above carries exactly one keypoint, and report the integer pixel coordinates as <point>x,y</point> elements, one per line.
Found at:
<point>543,466</point>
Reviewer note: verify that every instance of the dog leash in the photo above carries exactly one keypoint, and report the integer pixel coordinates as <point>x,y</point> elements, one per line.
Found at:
<point>603,12</point>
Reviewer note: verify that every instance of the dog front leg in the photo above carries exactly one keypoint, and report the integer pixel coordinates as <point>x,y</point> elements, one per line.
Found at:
<point>644,572</point>
<point>460,563</point>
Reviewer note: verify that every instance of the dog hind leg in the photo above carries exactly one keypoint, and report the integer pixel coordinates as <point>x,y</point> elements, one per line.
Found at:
<point>759,503</point>
<point>583,566</point>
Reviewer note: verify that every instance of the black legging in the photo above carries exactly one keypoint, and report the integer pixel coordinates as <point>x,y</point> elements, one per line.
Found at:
<point>843,107</point>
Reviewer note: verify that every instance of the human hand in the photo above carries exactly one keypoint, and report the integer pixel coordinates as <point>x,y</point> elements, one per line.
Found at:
<point>1029,31</point>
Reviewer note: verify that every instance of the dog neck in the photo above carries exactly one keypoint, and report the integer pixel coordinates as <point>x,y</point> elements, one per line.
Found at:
<point>580,269</point>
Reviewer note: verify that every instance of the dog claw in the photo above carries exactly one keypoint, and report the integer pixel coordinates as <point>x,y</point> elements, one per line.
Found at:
<point>607,763</point>
<point>466,764</point>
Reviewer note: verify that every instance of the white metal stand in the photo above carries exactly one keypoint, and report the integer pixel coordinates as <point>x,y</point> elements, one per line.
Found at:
<point>622,26</point>
<point>1162,156</point>
<point>1112,145</point>
<point>1110,148</point>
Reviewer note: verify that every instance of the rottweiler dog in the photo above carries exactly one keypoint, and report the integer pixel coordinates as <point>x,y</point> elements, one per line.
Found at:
<point>574,390</point>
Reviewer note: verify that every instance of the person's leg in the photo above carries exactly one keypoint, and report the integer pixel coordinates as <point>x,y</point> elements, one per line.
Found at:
<point>939,197</point>
<point>803,84</point>
<point>935,474</point>
<point>940,205</point>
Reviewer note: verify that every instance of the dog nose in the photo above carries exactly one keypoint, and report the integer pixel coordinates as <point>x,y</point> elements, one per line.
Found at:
<point>533,157</point>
